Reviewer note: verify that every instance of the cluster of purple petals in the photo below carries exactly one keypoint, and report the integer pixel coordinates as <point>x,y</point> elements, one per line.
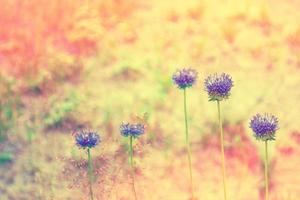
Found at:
<point>264,126</point>
<point>134,130</point>
<point>87,139</point>
<point>218,86</point>
<point>185,78</point>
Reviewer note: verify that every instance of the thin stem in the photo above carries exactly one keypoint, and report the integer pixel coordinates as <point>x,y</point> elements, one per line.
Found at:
<point>187,140</point>
<point>30,140</point>
<point>266,170</point>
<point>90,173</point>
<point>222,150</point>
<point>132,167</point>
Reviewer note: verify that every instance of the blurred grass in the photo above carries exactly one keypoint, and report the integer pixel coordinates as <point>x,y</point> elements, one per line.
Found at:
<point>96,64</point>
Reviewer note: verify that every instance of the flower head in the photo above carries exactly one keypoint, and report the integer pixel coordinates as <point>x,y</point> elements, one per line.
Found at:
<point>134,130</point>
<point>218,86</point>
<point>184,78</point>
<point>264,126</point>
<point>86,139</point>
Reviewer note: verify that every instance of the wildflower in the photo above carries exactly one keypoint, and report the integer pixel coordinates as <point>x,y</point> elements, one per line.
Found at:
<point>264,126</point>
<point>184,78</point>
<point>87,139</point>
<point>133,130</point>
<point>218,86</point>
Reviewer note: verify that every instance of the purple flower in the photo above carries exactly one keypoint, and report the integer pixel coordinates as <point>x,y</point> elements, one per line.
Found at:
<point>134,130</point>
<point>87,139</point>
<point>184,78</point>
<point>218,86</point>
<point>264,126</point>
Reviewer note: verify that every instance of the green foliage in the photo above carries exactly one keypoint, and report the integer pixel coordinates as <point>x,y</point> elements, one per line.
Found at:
<point>9,102</point>
<point>60,108</point>
<point>5,157</point>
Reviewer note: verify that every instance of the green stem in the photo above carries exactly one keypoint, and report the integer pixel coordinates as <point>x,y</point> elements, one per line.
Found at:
<point>187,140</point>
<point>90,173</point>
<point>30,139</point>
<point>222,150</point>
<point>266,170</point>
<point>132,167</point>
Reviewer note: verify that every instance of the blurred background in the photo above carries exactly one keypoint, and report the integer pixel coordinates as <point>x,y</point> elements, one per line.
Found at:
<point>71,64</point>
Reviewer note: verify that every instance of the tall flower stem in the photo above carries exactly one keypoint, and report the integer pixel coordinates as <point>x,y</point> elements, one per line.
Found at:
<point>90,173</point>
<point>222,149</point>
<point>187,140</point>
<point>266,170</point>
<point>132,166</point>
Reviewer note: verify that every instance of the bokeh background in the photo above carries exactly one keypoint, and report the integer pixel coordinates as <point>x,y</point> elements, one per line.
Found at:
<point>71,64</point>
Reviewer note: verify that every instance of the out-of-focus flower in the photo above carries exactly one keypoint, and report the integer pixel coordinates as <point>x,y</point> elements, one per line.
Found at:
<point>134,130</point>
<point>185,78</point>
<point>264,126</point>
<point>87,139</point>
<point>218,86</point>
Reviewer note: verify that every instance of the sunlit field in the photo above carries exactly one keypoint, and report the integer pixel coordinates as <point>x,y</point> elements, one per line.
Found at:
<point>68,65</point>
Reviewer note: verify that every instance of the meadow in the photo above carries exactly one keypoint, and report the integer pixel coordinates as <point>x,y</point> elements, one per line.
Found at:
<point>67,65</point>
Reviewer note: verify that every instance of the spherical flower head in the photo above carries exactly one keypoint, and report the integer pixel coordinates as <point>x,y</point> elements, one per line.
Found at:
<point>87,139</point>
<point>218,86</point>
<point>264,126</point>
<point>185,78</point>
<point>133,130</point>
